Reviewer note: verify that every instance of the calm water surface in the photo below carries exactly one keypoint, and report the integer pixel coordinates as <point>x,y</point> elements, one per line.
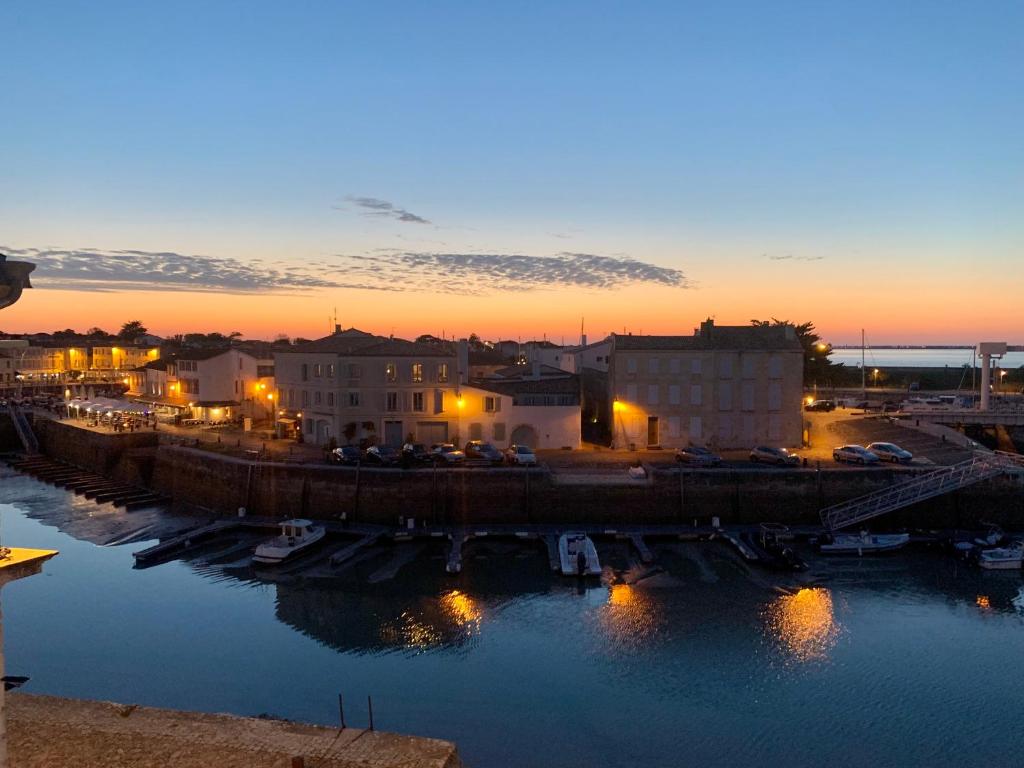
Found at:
<point>906,661</point>
<point>918,358</point>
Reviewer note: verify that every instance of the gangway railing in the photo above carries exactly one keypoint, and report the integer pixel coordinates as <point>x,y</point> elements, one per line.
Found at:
<point>24,429</point>
<point>981,466</point>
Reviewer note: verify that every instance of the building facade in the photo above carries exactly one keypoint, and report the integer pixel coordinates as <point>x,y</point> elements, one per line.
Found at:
<point>726,387</point>
<point>353,387</point>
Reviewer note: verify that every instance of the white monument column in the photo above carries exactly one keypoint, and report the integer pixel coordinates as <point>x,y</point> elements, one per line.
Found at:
<point>986,351</point>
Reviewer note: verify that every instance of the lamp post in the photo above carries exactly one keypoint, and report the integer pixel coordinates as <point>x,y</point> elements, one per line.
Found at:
<point>875,378</point>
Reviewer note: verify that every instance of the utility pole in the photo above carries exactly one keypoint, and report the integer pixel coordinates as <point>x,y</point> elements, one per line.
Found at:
<point>863,370</point>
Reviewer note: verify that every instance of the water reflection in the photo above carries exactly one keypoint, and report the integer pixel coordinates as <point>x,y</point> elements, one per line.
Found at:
<point>630,616</point>
<point>804,623</point>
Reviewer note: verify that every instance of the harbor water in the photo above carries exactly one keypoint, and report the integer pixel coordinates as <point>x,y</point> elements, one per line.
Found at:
<point>908,660</point>
<point>919,358</point>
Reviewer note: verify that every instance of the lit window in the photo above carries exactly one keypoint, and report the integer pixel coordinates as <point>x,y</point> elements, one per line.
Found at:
<point>391,372</point>
<point>442,372</point>
<point>417,372</point>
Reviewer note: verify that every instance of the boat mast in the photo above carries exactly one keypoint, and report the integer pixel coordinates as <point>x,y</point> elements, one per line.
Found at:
<point>863,370</point>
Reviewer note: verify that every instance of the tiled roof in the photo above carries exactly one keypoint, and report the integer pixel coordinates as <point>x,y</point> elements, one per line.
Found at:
<point>566,385</point>
<point>204,353</point>
<point>355,343</point>
<point>732,337</point>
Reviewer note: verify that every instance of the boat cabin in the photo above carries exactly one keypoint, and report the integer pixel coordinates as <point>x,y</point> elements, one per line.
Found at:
<point>296,529</point>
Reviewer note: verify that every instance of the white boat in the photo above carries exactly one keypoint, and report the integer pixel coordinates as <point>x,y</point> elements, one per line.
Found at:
<point>864,543</point>
<point>578,555</point>
<point>1003,558</point>
<point>296,536</point>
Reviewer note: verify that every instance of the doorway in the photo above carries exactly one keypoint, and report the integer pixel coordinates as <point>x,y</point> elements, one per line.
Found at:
<point>652,431</point>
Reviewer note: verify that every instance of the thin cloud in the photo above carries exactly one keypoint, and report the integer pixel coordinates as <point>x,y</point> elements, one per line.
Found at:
<point>94,269</point>
<point>791,257</point>
<point>494,272</point>
<point>372,206</point>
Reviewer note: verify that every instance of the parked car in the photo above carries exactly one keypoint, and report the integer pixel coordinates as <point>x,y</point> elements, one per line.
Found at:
<point>416,453</point>
<point>820,405</point>
<point>771,455</point>
<point>384,455</point>
<point>346,454</point>
<point>891,452</point>
<point>697,456</point>
<point>446,454</point>
<point>521,454</point>
<point>855,454</point>
<point>477,449</point>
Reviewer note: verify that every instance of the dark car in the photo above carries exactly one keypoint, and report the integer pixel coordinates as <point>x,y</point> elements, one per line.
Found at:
<point>415,453</point>
<point>771,455</point>
<point>697,456</point>
<point>446,454</point>
<point>477,449</point>
<point>346,454</point>
<point>384,455</point>
<point>820,405</point>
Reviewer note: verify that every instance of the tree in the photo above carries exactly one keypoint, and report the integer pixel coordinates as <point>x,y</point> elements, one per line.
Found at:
<point>97,332</point>
<point>132,330</point>
<point>818,369</point>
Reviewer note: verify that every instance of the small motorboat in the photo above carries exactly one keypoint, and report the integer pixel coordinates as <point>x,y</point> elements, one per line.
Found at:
<point>578,555</point>
<point>863,543</point>
<point>772,551</point>
<point>296,536</point>
<point>1003,558</point>
<point>992,538</point>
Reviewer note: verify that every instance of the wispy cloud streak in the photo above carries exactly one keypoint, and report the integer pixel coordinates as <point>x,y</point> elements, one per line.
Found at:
<point>372,206</point>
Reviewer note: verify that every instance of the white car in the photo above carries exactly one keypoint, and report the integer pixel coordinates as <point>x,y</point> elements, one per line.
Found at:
<point>771,455</point>
<point>521,454</point>
<point>891,452</point>
<point>855,454</point>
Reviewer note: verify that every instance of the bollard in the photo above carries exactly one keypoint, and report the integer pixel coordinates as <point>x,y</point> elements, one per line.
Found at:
<point>341,711</point>
<point>369,708</point>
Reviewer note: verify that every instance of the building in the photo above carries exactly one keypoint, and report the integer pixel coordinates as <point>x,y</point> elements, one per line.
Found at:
<point>60,361</point>
<point>205,384</point>
<point>535,405</point>
<point>353,387</point>
<point>724,386</point>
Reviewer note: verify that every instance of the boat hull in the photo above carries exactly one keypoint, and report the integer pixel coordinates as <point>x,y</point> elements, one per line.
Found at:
<point>272,552</point>
<point>865,545</point>
<point>569,547</point>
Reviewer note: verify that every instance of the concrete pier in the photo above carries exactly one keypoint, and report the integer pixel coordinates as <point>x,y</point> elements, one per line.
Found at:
<point>47,731</point>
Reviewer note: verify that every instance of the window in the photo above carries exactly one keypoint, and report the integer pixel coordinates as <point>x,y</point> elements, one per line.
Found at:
<point>330,399</point>
<point>353,399</point>
<point>317,397</point>
<point>438,401</point>
<point>775,367</point>
<point>631,365</point>
<point>696,394</point>
<point>725,365</point>
<point>391,401</point>
<point>492,404</point>
<point>673,365</point>
<point>391,372</point>
<point>695,366</point>
<point>498,434</point>
<point>725,396</point>
<point>696,426</point>
<point>476,431</point>
<point>673,394</point>
<point>417,373</point>
<point>631,393</point>
<point>354,370</point>
<point>417,401</point>
<point>774,396</point>
<point>318,370</point>
<point>305,372</point>
<point>330,370</point>
<point>747,396</point>
<point>673,426</point>
<point>305,398</point>
<point>747,366</point>
<point>309,426</point>
<point>442,372</point>
<point>652,366</point>
<point>652,394</point>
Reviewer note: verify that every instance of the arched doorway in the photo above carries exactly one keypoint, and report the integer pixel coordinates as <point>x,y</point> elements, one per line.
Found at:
<point>524,434</point>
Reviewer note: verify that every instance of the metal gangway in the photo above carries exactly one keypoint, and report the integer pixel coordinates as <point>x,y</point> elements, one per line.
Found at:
<point>981,466</point>
<point>24,429</point>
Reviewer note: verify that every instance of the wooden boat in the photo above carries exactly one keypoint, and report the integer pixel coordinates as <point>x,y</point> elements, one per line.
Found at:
<point>578,555</point>
<point>864,543</point>
<point>296,536</point>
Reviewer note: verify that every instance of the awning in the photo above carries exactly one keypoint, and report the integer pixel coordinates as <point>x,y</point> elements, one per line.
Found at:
<point>286,421</point>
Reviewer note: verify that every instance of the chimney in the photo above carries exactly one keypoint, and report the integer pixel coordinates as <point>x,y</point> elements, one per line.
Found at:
<point>337,327</point>
<point>707,328</point>
<point>462,360</point>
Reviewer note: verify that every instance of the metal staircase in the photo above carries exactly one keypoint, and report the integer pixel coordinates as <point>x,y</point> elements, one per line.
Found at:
<point>929,485</point>
<point>24,430</point>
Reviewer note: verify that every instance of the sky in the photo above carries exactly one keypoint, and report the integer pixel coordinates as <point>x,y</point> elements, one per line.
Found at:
<point>517,169</point>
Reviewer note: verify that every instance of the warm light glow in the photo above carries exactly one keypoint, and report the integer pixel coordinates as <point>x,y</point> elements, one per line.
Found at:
<point>631,616</point>
<point>298,415</point>
<point>463,610</point>
<point>262,386</point>
<point>618,406</point>
<point>808,400</point>
<point>270,396</point>
<point>125,379</point>
<point>216,411</point>
<point>804,623</point>
<point>983,602</point>
<point>822,347</point>
<point>461,403</point>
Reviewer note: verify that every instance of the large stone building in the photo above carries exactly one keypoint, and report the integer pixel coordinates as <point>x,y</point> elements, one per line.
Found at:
<point>353,386</point>
<point>724,386</point>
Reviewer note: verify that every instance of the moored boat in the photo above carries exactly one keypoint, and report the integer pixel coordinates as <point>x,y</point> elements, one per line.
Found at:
<point>864,543</point>
<point>578,555</point>
<point>296,536</point>
<point>1003,558</point>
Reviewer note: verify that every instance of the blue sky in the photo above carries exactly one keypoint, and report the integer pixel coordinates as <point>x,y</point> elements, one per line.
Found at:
<point>702,138</point>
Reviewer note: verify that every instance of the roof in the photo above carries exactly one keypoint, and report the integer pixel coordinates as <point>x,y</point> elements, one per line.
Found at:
<point>523,371</point>
<point>355,343</point>
<point>712,337</point>
<point>487,357</point>
<point>566,385</point>
<point>204,353</point>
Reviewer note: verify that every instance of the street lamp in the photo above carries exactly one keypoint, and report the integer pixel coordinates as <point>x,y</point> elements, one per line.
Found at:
<point>875,376</point>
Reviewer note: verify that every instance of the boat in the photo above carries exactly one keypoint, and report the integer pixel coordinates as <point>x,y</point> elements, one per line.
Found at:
<point>296,536</point>
<point>769,544</point>
<point>863,543</point>
<point>992,538</point>
<point>578,555</point>
<point>1002,558</point>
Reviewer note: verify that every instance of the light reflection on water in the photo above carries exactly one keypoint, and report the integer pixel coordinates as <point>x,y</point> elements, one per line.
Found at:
<point>508,659</point>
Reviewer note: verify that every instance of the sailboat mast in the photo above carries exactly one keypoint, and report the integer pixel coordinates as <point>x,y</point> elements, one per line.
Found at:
<point>863,370</point>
